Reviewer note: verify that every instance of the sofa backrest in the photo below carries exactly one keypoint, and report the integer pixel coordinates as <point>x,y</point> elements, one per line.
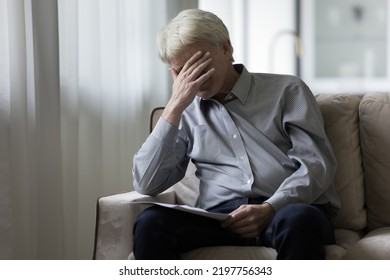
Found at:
<point>341,119</point>
<point>374,113</point>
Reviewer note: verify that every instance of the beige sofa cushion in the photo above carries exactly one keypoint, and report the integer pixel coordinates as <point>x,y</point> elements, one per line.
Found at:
<point>374,246</point>
<point>375,141</point>
<point>341,119</point>
<point>187,189</point>
<point>231,253</point>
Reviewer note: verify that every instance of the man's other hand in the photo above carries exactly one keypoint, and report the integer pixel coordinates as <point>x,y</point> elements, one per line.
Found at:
<point>249,220</point>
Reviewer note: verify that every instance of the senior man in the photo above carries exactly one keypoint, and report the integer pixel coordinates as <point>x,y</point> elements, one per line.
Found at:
<point>258,144</point>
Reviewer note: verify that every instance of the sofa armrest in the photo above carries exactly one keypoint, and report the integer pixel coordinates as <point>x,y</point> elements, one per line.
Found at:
<point>115,217</point>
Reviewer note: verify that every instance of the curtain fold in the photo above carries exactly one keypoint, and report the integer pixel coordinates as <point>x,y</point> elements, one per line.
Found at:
<point>110,80</point>
<point>78,80</point>
<point>34,156</point>
<point>6,228</point>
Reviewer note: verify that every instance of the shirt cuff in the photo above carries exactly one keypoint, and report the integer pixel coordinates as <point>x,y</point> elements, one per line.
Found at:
<point>164,130</point>
<point>277,201</point>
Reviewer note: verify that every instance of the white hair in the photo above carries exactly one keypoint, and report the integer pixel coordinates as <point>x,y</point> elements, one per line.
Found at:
<point>188,27</point>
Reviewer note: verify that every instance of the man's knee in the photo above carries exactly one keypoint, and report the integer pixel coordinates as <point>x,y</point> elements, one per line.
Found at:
<point>301,215</point>
<point>299,231</point>
<point>304,221</point>
<point>149,220</point>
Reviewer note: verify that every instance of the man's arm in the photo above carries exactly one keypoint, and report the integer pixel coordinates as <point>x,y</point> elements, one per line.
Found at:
<point>311,148</point>
<point>186,84</point>
<point>162,161</point>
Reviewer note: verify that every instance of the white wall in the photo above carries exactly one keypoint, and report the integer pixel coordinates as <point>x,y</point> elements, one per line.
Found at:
<point>257,29</point>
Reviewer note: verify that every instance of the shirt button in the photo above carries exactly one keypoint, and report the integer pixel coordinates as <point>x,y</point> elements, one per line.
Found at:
<point>235,136</point>
<point>248,182</point>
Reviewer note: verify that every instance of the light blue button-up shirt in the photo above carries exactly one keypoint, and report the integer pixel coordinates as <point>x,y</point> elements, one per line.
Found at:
<point>266,139</point>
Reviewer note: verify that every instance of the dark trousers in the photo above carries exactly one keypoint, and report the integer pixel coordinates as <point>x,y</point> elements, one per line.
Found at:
<point>297,231</point>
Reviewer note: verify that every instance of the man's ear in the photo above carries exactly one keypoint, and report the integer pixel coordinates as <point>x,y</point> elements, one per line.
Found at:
<point>228,49</point>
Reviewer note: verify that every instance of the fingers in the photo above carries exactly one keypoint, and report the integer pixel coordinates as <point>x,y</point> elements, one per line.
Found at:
<point>190,78</point>
<point>193,74</point>
<point>196,57</point>
<point>234,217</point>
<point>240,222</point>
<point>195,67</point>
<point>190,65</point>
<point>187,81</point>
<point>246,228</point>
<point>204,77</point>
<point>248,221</point>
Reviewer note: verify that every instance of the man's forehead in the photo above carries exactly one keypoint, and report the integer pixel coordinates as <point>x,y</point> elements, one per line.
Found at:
<point>188,51</point>
<point>185,54</point>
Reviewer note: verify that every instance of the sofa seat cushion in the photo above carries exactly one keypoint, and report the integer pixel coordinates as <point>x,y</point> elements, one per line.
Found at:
<point>333,252</point>
<point>231,253</point>
<point>374,246</point>
<point>227,253</point>
<point>346,238</point>
<point>375,140</point>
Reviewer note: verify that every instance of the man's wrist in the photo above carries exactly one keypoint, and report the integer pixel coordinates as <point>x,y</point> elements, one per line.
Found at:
<point>172,116</point>
<point>268,207</point>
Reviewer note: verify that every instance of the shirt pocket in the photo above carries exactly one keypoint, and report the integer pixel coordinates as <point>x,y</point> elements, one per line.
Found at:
<point>206,145</point>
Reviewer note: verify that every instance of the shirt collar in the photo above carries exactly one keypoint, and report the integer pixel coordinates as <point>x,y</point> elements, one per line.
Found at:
<point>243,84</point>
<point>241,87</point>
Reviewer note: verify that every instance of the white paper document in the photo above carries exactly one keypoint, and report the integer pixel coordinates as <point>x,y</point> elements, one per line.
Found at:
<point>186,208</point>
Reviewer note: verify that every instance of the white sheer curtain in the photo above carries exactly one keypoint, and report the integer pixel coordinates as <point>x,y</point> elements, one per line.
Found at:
<point>31,204</point>
<point>5,198</point>
<point>77,82</point>
<point>110,80</point>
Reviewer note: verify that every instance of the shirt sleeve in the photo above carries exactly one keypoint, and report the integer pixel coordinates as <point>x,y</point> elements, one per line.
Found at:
<point>161,162</point>
<point>310,148</point>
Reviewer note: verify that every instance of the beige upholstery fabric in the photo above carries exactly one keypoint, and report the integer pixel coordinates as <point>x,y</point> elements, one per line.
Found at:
<point>333,252</point>
<point>187,189</point>
<point>114,223</point>
<point>375,139</point>
<point>231,253</point>
<point>342,128</point>
<point>374,246</point>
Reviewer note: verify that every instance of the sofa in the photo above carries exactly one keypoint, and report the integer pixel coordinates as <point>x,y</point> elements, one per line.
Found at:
<point>358,126</point>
